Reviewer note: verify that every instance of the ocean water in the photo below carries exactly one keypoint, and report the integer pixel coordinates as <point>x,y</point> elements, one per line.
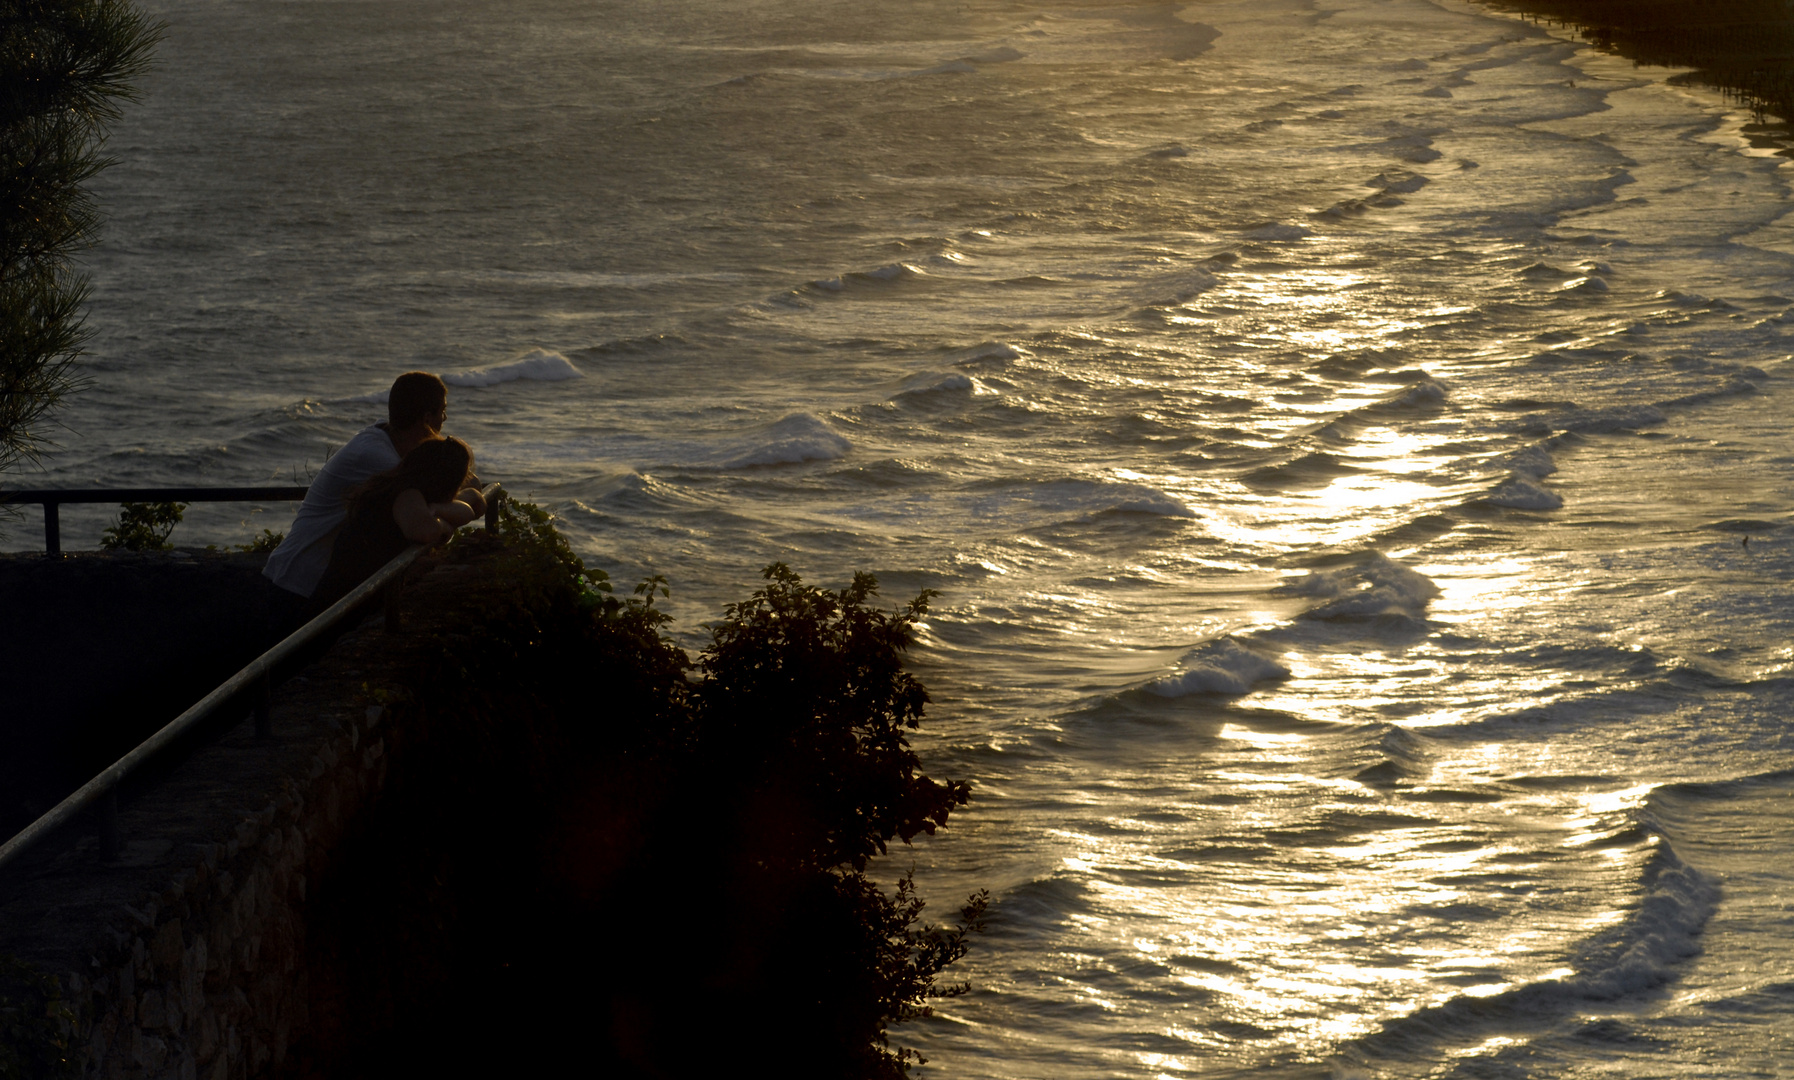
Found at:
<point>1349,439</point>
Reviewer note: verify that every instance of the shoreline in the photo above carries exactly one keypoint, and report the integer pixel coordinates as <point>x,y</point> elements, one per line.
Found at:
<point>1742,48</point>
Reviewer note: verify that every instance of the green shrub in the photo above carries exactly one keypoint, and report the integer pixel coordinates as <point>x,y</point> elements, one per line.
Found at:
<point>735,801</point>
<point>263,544</point>
<point>143,526</point>
<point>804,701</point>
<point>802,713</point>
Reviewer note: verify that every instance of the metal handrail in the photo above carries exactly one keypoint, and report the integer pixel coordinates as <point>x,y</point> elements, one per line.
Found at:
<point>105,785</point>
<point>52,498</point>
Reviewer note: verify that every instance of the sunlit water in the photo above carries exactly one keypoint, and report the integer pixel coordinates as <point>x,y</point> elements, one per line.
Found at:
<point>1332,429</point>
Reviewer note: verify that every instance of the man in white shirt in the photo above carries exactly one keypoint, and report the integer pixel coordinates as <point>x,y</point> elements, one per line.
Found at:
<point>416,409</point>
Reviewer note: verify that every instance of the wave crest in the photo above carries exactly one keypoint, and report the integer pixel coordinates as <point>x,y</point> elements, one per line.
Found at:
<point>537,365</point>
<point>1520,492</point>
<point>1377,585</point>
<point>1221,666</point>
<point>796,438</point>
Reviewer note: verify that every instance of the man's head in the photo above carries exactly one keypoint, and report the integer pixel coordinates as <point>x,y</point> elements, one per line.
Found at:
<point>417,397</point>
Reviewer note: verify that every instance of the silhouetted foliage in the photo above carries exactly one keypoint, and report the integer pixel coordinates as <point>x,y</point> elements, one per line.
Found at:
<point>142,526</point>
<point>729,807</point>
<point>263,544</point>
<point>64,67</point>
<point>805,701</point>
<point>801,717</point>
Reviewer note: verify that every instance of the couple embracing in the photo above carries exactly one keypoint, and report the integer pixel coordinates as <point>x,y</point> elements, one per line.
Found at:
<point>394,484</point>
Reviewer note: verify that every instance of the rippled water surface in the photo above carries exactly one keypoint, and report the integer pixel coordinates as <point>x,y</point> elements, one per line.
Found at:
<point>1334,430</point>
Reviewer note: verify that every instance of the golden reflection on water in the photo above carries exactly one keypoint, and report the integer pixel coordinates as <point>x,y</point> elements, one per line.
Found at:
<point>1321,954</point>
<point>1284,950</point>
<point>1313,955</point>
<point>1493,584</point>
<point>1316,309</point>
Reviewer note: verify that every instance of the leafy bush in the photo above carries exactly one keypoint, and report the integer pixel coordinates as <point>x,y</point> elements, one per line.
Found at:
<point>143,526</point>
<point>801,714</point>
<point>866,963</point>
<point>586,636</point>
<point>263,544</point>
<point>804,701</point>
<point>751,788</point>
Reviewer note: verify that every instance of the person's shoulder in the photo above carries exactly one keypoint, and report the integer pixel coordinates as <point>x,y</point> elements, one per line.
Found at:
<point>367,452</point>
<point>373,442</point>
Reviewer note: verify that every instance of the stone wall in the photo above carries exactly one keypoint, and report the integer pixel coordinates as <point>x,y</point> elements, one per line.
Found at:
<point>187,956</point>
<point>207,979</point>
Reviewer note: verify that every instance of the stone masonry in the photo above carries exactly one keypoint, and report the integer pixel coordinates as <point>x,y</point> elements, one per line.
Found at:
<point>185,957</point>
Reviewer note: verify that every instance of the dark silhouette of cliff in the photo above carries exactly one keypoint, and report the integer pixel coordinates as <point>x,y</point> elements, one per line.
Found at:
<point>1743,47</point>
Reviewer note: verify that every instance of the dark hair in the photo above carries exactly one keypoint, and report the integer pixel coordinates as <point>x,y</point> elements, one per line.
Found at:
<point>415,395</point>
<point>436,467</point>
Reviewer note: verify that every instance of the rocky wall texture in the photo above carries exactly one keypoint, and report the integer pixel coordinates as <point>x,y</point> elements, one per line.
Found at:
<point>187,956</point>
<point>207,978</point>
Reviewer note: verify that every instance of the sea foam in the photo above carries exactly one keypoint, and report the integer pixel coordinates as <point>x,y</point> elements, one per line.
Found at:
<point>1590,284</point>
<point>797,438</point>
<point>892,272</point>
<point>538,365</point>
<point>1279,231</point>
<point>1520,492</point>
<point>934,385</point>
<point>1376,585</point>
<point>1398,182</point>
<point>1534,461</point>
<point>1221,666</point>
<point>988,354</point>
<point>1125,498</point>
<point>1637,955</point>
<point>1426,392</point>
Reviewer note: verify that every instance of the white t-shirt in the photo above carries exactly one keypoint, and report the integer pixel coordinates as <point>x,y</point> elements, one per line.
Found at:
<point>299,561</point>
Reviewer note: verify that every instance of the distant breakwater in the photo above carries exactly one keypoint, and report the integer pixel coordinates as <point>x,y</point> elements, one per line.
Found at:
<point>513,822</point>
<point>1742,47</point>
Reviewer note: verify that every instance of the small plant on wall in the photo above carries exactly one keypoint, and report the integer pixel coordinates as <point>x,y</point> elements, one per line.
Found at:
<point>263,544</point>
<point>143,526</point>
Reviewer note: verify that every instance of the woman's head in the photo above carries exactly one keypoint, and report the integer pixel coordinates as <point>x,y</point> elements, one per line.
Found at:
<point>437,467</point>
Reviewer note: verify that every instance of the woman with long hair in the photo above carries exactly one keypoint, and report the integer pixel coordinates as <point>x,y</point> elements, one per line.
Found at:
<point>421,501</point>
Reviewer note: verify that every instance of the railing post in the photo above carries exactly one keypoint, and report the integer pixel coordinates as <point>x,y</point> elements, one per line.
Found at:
<point>110,840</point>
<point>52,529</point>
<point>394,619</point>
<point>93,795</point>
<point>264,726</point>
